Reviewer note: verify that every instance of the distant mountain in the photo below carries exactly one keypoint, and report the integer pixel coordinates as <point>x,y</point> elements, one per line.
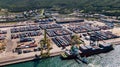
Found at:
<point>97,5</point>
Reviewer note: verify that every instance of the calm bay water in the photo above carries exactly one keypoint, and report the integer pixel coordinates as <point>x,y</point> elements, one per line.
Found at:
<point>111,59</point>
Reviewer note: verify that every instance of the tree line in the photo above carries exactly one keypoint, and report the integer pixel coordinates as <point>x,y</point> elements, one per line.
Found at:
<point>61,5</point>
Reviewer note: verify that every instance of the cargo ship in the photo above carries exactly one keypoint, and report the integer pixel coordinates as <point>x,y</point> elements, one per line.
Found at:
<point>92,50</point>
<point>86,50</point>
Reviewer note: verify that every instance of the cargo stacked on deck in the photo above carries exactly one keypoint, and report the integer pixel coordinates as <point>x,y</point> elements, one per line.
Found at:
<point>105,27</point>
<point>44,21</point>
<point>2,36</point>
<point>58,32</point>
<point>69,20</point>
<point>107,47</point>
<point>87,27</point>
<point>51,33</point>
<point>92,28</point>
<point>23,46</point>
<point>3,31</point>
<point>62,41</point>
<point>26,34</point>
<point>26,40</point>
<point>83,27</point>
<point>88,50</point>
<point>24,29</point>
<point>17,25</point>
<point>103,35</point>
<point>50,26</point>
<point>68,38</point>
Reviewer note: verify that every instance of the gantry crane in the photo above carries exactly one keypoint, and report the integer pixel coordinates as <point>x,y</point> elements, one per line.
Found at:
<point>45,44</point>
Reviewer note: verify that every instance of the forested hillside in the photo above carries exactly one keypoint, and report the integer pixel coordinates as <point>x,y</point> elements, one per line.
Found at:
<point>88,5</point>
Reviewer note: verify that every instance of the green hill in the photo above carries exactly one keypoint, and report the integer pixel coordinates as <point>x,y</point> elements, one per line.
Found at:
<point>88,5</point>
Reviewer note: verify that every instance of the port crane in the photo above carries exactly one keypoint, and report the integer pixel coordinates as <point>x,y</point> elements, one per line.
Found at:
<point>74,51</point>
<point>45,44</point>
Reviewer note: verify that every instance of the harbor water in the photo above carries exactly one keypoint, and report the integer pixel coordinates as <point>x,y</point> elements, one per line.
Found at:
<point>110,59</point>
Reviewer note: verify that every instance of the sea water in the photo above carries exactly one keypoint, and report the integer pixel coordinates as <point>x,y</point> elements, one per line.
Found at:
<point>110,59</point>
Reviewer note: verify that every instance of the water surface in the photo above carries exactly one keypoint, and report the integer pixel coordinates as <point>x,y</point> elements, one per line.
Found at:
<point>111,59</point>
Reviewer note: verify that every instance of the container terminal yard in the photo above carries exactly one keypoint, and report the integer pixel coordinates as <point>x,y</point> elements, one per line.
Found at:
<point>21,41</point>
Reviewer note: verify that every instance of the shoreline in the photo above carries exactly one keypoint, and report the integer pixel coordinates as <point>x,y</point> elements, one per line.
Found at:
<point>24,59</point>
<point>29,58</point>
<point>12,58</point>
